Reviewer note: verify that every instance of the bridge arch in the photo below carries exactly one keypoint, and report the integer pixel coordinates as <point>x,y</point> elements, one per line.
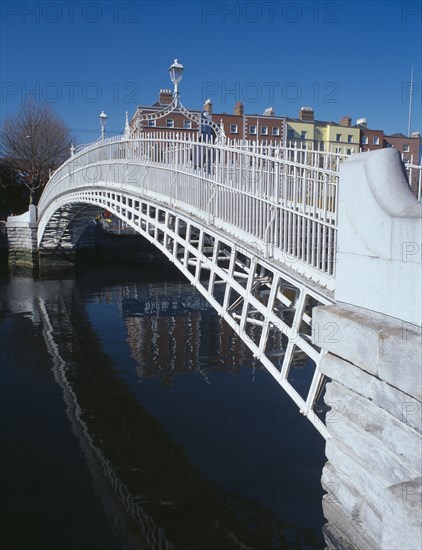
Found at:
<point>185,210</point>
<point>67,225</point>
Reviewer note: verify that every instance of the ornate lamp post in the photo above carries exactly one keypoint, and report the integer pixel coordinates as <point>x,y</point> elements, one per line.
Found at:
<point>176,73</point>
<point>103,120</point>
<point>204,122</point>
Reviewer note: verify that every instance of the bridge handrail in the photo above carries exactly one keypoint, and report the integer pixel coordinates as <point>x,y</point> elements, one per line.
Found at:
<point>282,155</point>
<point>292,191</point>
<point>248,148</point>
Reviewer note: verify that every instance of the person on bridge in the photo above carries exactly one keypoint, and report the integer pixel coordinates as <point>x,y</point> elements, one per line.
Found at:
<point>203,156</point>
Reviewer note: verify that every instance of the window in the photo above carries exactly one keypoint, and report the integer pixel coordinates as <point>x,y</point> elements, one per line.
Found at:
<point>350,138</point>
<point>338,137</point>
<point>170,123</point>
<point>290,133</point>
<point>187,124</point>
<point>151,123</point>
<point>276,131</point>
<point>376,141</point>
<point>303,134</point>
<point>264,130</point>
<point>364,140</point>
<point>252,129</point>
<point>233,128</point>
<point>406,148</point>
<point>349,151</point>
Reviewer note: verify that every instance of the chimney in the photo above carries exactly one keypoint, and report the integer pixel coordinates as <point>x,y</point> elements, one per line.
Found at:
<point>345,121</point>
<point>306,114</point>
<point>208,106</point>
<point>269,112</point>
<point>361,122</point>
<point>165,97</point>
<point>239,109</point>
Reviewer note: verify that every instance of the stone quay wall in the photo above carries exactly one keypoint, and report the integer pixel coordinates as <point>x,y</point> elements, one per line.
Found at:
<point>372,476</point>
<point>374,361</point>
<point>22,238</point>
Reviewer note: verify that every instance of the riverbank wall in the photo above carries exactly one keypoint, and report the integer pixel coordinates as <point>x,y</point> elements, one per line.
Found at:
<point>19,249</point>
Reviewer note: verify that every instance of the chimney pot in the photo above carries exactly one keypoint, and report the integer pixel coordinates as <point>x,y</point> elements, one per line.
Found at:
<point>306,114</point>
<point>345,121</point>
<point>239,109</point>
<point>208,106</point>
<point>165,97</point>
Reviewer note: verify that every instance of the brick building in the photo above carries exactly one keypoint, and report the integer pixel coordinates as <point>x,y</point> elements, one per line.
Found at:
<point>237,125</point>
<point>174,121</point>
<point>370,140</point>
<point>409,147</point>
<point>305,131</point>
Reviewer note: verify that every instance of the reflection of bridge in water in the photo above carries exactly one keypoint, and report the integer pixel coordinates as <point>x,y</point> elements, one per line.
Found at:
<point>152,494</point>
<point>165,329</point>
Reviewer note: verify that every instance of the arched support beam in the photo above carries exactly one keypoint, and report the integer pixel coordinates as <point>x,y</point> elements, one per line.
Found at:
<point>268,308</point>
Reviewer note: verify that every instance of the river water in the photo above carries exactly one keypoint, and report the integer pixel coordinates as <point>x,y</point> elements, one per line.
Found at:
<point>134,418</point>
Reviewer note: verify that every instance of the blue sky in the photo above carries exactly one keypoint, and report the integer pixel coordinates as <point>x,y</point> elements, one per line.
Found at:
<point>341,58</point>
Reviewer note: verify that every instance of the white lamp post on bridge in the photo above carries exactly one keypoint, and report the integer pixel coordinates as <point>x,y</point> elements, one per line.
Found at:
<point>203,120</point>
<point>103,120</point>
<point>176,73</point>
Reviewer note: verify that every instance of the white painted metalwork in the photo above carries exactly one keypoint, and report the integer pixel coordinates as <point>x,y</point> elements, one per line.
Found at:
<point>176,73</point>
<point>414,173</point>
<point>103,119</point>
<point>251,225</point>
<point>95,456</point>
<point>280,201</point>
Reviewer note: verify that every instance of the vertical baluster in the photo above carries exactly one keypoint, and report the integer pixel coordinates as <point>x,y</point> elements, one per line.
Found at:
<point>313,243</point>
<point>323,247</point>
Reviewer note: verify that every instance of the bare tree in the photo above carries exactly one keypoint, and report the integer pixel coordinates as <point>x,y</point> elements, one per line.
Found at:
<point>37,141</point>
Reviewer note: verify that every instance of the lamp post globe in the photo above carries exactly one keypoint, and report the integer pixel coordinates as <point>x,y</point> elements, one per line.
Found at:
<point>103,120</point>
<point>176,73</point>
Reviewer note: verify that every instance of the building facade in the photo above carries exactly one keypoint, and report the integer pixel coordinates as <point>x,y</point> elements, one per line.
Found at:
<point>304,131</point>
<point>409,148</point>
<point>370,140</point>
<point>237,125</point>
<point>314,134</point>
<point>175,121</point>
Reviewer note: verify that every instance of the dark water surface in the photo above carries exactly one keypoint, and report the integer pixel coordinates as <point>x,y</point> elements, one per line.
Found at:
<point>134,418</point>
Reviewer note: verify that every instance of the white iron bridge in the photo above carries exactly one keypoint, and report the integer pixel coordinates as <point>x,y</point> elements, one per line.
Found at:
<point>253,227</point>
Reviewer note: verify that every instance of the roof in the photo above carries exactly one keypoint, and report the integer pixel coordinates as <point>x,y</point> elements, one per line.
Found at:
<point>364,127</point>
<point>398,135</point>
<point>318,122</point>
